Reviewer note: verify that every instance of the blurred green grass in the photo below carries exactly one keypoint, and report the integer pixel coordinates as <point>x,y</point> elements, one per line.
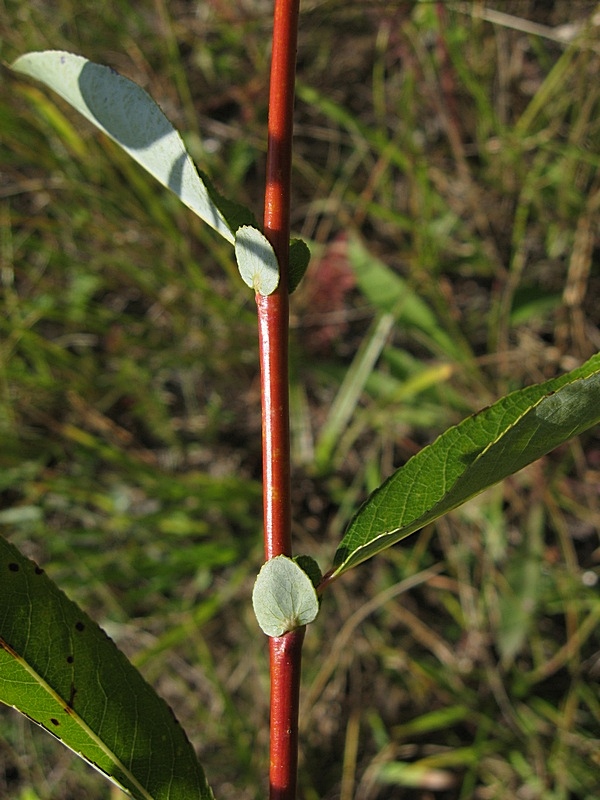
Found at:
<point>463,156</point>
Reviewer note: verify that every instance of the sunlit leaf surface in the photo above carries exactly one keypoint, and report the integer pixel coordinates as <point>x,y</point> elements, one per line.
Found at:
<point>126,113</point>
<point>62,671</point>
<point>470,457</point>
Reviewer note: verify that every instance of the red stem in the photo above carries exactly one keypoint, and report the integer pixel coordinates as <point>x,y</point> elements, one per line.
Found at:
<point>286,657</point>
<point>273,329</point>
<point>273,311</point>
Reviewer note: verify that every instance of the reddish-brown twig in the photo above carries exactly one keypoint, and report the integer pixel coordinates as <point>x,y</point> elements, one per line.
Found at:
<point>273,321</point>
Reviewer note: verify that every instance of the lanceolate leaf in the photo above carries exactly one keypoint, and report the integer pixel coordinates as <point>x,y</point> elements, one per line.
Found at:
<point>466,459</point>
<point>61,670</point>
<point>126,113</point>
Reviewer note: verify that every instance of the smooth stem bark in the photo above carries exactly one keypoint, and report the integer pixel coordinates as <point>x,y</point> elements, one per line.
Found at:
<point>273,322</point>
<point>286,657</point>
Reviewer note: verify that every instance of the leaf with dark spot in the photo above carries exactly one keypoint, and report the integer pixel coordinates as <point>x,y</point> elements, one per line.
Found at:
<point>99,705</point>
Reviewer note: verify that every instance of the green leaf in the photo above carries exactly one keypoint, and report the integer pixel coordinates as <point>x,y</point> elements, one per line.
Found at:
<point>309,565</point>
<point>125,112</point>
<point>468,458</point>
<point>284,597</point>
<point>62,671</point>
<point>391,293</point>
<point>256,260</point>
<point>299,258</point>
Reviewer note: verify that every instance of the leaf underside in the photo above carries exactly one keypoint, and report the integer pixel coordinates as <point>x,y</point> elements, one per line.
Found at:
<point>125,112</point>
<point>284,597</point>
<point>128,115</point>
<point>468,458</point>
<point>62,671</point>
<point>256,260</point>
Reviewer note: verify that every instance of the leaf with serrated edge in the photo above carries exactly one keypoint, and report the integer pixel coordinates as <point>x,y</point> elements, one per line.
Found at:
<point>126,113</point>
<point>284,597</point>
<point>468,458</point>
<point>62,671</point>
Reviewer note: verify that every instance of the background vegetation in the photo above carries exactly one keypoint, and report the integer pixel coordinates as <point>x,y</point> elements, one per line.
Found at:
<point>465,662</point>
